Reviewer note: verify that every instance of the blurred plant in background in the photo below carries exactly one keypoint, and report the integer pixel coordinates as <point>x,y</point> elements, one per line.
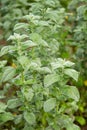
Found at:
<point>10,14</point>
<point>75,48</point>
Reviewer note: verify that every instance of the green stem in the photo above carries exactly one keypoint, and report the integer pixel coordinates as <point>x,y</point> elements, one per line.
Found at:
<point>19,48</point>
<point>22,77</point>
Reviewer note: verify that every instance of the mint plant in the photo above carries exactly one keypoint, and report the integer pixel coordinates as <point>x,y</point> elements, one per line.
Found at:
<point>10,14</point>
<point>41,98</point>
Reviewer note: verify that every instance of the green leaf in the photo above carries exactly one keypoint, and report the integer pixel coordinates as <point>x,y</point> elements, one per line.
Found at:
<point>18,119</point>
<point>29,117</point>
<point>28,128</point>
<point>7,24</point>
<point>73,127</point>
<point>21,26</point>
<point>68,64</point>
<point>2,107</point>
<point>50,3</point>
<point>7,49</point>
<point>7,116</point>
<point>49,128</point>
<point>66,122</point>
<point>23,60</point>
<point>63,120</point>
<point>43,23</point>
<point>72,73</point>
<point>50,79</point>
<point>71,92</point>
<point>35,64</point>
<point>81,120</point>
<point>60,63</point>
<point>2,63</point>
<point>31,17</point>
<point>9,73</point>
<point>24,3</point>
<point>44,70</point>
<point>30,81</point>
<point>13,103</point>
<point>35,37</point>
<point>57,64</point>
<point>49,104</point>
<point>28,93</point>
<point>28,44</point>
<point>17,37</point>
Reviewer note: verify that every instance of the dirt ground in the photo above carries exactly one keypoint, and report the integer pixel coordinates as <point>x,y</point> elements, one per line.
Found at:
<point>84,128</point>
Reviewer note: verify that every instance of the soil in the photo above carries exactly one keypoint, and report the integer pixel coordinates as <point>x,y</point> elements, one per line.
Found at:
<point>2,42</point>
<point>84,128</point>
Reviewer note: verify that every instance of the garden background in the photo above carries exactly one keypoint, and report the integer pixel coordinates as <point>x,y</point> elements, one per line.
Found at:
<point>40,40</point>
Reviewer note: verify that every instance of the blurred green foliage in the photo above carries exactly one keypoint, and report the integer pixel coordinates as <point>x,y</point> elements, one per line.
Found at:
<point>68,19</point>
